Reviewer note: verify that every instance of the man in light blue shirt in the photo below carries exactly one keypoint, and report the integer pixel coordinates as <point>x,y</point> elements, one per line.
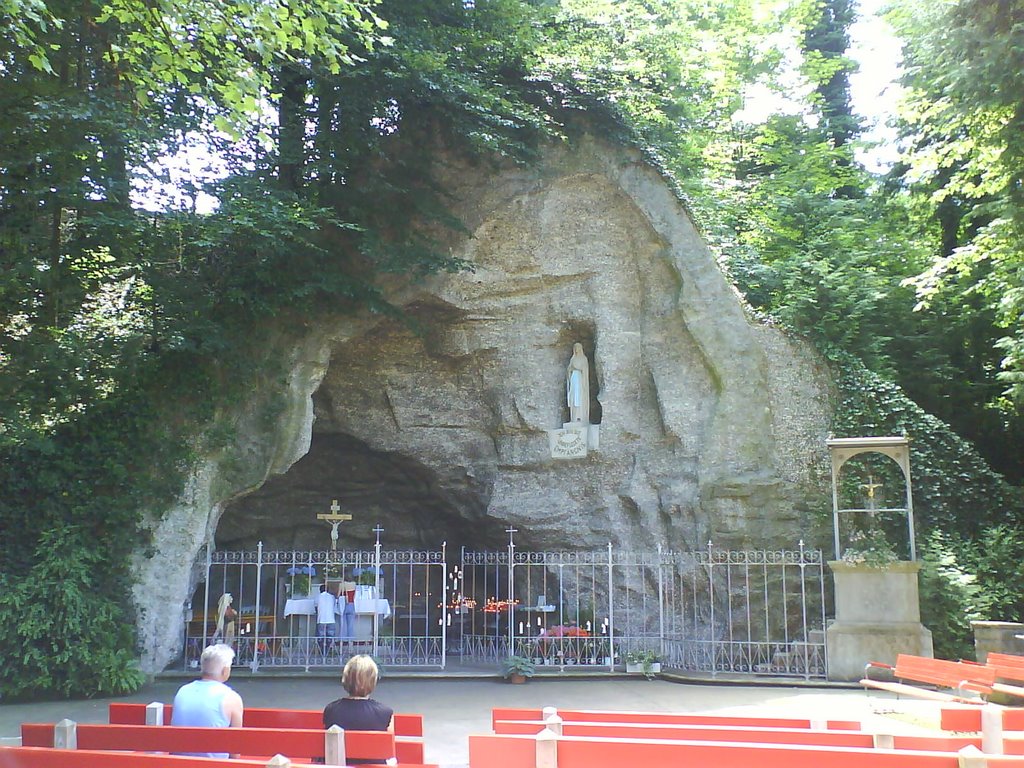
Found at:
<point>208,702</point>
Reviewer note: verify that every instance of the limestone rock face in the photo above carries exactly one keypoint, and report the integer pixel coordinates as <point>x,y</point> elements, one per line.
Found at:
<point>712,426</point>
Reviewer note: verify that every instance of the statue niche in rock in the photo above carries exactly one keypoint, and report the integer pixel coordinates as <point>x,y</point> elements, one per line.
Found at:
<point>577,436</point>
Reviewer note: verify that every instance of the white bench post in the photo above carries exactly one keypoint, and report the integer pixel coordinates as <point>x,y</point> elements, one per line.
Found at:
<point>547,712</point>
<point>972,757</point>
<point>279,761</point>
<point>547,749</point>
<point>819,724</point>
<point>554,724</point>
<point>155,713</point>
<point>65,735</point>
<point>334,745</point>
<point>992,729</point>
<point>884,740</point>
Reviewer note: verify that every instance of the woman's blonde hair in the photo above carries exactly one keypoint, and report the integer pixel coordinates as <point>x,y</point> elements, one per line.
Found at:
<point>359,677</point>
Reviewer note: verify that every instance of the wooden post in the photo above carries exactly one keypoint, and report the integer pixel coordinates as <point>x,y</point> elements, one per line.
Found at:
<point>884,740</point>
<point>547,712</point>
<point>547,749</point>
<point>992,729</point>
<point>65,735</point>
<point>155,713</point>
<point>279,761</point>
<point>334,745</point>
<point>554,724</point>
<point>972,757</point>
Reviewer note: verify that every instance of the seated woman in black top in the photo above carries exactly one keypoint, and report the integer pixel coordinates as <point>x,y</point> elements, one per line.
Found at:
<point>357,711</point>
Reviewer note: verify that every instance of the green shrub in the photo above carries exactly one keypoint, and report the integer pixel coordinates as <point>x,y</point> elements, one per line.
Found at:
<point>951,599</point>
<point>60,636</point>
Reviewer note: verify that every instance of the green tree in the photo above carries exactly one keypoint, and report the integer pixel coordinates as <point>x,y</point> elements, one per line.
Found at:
<point>963,126</point>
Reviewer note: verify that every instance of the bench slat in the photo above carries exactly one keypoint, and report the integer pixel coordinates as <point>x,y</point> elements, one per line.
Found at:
<point>42,757</point>
<point>665,718</point>
<point>409,746</point>
<point>296,743</point>
<point>921,693</point>
<point>498,751</point>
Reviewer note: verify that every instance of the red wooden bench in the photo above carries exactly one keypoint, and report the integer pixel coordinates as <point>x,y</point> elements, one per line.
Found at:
<point>298,744</point>
<point>1007,666</point>
<point>44,757</point>
<point>739,731</point>
<point>668,718</point>
<point>964,682</point>
<point>408,727</point>
<point>550,751</point>
<point>967,719</point>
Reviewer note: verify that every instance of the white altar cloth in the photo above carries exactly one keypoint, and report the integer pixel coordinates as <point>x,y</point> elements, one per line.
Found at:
<point>306,606</point>
<point>300,606</point>
<point>381,607</point>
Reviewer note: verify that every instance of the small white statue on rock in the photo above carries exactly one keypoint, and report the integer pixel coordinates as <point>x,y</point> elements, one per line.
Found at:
<point>577,436</point>
<point>577,386</point>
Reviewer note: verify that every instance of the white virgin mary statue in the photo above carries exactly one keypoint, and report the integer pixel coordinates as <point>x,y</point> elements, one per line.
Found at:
<point>577,386</point>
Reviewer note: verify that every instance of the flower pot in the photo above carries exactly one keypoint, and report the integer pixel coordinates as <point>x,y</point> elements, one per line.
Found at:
<point>516,679</point>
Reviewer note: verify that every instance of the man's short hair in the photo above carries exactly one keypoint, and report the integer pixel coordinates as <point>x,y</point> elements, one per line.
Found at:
<point>359,677</point>
<point>215,658</point>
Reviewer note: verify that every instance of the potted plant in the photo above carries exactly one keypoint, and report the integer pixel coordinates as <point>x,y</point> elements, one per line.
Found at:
<point>302,579</point>
<point>644,661</point>
<point>871,547</point>
<point>516,669</point>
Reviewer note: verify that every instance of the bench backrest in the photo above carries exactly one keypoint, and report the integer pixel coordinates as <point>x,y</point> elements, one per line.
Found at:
<point>667,718</point>
<point>960,718</point>
<point>1009,659</point>
<point>694,733</point>
<point>496,751</point>
<point>948,674</point>
<point>296,743</point>
<point>42,757</point>
<point>742,733</point>
<point>1006,666</point>
<point>408,727</point>
<point>134,713</point>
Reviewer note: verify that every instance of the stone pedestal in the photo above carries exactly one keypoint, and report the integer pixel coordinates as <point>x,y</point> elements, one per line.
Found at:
<point>878,615</point>
<point>998,637</point>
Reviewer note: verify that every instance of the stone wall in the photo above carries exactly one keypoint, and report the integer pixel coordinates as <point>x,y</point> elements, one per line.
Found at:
<point>712,426</point>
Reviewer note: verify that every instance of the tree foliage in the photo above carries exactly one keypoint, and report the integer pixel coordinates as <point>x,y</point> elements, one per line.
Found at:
<point>122,332</point>
<point>962,125</point>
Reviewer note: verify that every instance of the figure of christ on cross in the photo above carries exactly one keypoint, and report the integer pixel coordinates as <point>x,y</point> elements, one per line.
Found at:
<point>335,518</point>
<point>870,487</point>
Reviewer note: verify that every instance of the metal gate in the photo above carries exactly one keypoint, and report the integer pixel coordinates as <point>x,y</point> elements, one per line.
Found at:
<point>715,611</point>
<point>263,604</point>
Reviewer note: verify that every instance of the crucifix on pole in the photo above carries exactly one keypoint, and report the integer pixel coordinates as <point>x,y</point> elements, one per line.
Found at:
<point>870,487</point>
<point>335,518</point>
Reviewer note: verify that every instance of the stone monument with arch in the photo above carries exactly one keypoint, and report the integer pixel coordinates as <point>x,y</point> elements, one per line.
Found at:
<point>877,603</point>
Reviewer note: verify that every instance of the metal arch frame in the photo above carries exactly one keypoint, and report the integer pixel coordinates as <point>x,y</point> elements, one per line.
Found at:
<point>897,448</point>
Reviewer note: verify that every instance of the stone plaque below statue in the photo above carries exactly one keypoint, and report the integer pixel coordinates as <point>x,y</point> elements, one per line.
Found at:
<point>573,441</point>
